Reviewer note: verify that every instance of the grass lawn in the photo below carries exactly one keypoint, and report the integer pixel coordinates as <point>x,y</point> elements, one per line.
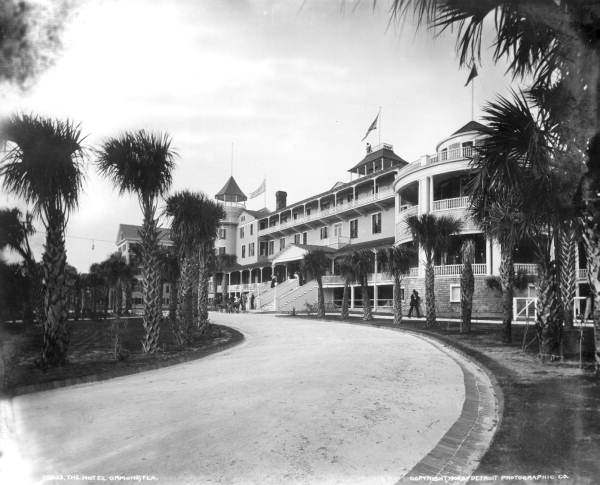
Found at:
<point>91,355</point>
<point>551,418</point>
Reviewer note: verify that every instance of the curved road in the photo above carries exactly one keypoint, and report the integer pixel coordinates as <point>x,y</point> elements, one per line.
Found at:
<point>298,402</point>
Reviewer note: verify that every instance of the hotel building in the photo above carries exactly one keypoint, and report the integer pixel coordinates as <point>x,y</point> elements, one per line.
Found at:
<point>368,212</point>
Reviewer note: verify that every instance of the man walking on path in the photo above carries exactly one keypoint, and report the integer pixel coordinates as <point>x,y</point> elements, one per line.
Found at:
<point>415,300</point>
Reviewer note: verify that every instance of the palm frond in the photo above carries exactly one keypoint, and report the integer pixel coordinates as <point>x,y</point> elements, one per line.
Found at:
<point>43,162</point>
<point>139,162</point>
<point>316,263</point>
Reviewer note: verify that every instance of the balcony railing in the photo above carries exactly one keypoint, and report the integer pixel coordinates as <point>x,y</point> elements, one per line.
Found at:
<point>582,273</point>
<point>316,215</point>
<point>449,204</point>
<point>449,155</point>
<point>456,269</point>
<point>526,268</point>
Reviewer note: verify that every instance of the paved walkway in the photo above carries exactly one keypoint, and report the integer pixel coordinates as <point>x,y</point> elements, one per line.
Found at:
<point>298,402</point>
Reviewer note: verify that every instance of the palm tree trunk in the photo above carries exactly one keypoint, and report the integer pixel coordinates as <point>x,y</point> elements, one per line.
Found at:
<point>467,288</point>
<point>56,335</point>
<point>507,277</point>
<point>567,271</point>
<point>367,314</point>
<point>591,238</point>
<point>430,318</point>
<point>203,275</point>
<point>548,309</point>
<point>184,312</point>
<point>320,299</point>
<point>345,313</point>
<point>151,290</point>
<point>397,300</point>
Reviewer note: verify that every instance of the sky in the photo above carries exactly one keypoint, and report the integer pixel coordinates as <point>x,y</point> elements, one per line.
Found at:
<point>259,88</point>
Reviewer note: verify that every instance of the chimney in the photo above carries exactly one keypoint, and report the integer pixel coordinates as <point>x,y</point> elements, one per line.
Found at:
<point>280,199</point>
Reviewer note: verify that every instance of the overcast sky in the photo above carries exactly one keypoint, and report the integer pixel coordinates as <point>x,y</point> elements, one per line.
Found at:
<point>293,84</point>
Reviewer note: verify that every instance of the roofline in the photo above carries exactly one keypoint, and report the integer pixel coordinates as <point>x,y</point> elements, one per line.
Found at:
<point>337,189</point>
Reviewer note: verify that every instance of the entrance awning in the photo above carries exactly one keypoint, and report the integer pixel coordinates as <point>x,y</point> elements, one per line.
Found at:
<point>296,252</point>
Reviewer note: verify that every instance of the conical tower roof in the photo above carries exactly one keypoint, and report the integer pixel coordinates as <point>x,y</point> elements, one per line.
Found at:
<point>231,192</point>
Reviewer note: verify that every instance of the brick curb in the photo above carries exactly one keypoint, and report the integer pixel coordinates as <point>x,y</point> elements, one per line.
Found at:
<point>236,338</point>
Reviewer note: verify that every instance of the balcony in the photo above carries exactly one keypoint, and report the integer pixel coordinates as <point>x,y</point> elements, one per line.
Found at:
<point>322,215</point>
<point>403,232</point>
<point>451,155</point>
<point>526,268</point>
<point>456,269</point>
<point>337,280</point>
<point>450,204</point>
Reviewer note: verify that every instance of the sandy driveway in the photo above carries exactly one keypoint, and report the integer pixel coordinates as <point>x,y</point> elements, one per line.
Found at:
<point>298,402</point>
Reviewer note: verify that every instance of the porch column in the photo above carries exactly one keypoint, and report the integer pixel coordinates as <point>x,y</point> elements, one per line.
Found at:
<point>375,296</point>
<point>488,256</point>
<point>421,267</point>
<point>332,266</point>
<point>374,184</point>
<point>397,205</point>
<point>351,296</point>
<point>375,279</point>
<point>431,193</point>
<point>496,256</point>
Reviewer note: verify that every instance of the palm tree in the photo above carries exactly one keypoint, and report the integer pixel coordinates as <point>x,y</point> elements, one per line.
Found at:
<point>467,285</point>
<point>43,165</point>
<point>141,163</point>
<point>212,214</point>
<point>14,234</point>
<point>346,270</point>
<point>397,261</point>
<point>316,263</point>
<point>432,234</point>
<point>219,264</point>
<point>362,263</point>
<point>195,221</point>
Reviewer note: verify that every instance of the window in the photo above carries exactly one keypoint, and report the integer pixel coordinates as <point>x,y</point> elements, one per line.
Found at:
<point>324,232</point>
<point>297,238</point>
<point>241,233</point>
<point>221,250</point>
<point>304,237</point>
<point>222,233</point>
<point>376,223</point>
<point>354,229</point>
<point>251,229</point>
<point>454,293</point>
<point>251,249</point>
<point>244,251</point>
<point>263,248</point>
<point>271,247</point>
<point>337,230</point>
<point>282,244</point>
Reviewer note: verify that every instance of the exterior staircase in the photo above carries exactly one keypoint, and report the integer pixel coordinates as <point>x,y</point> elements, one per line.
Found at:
<point>299,297</point>
<point>266,294</point>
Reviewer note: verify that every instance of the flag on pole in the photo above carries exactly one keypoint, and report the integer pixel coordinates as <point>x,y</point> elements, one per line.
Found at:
<point>259,190</point>
<point>372,127</point>
<point>473,74</point>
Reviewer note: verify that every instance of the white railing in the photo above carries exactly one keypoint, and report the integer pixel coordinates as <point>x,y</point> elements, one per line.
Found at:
<point>449,155</point>
<point>527,268</point>
<point>524,307</point>
<point>382,194</point>
<point>456,269</point>
<point>448,204</point>
<point>582,273</point>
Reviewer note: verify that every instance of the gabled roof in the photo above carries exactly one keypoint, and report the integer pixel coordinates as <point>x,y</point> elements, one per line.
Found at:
<point>131,232</point>
<point>385,152</point>
<point>231,192</point>
<point>471,126</point>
